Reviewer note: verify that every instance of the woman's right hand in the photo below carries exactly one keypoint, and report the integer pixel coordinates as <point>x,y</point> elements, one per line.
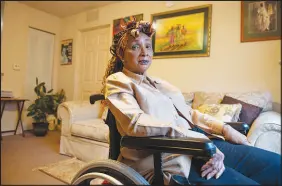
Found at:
<point>214,167</point>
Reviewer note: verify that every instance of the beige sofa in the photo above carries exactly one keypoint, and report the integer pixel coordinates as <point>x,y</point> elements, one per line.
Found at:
<point>85,135</point>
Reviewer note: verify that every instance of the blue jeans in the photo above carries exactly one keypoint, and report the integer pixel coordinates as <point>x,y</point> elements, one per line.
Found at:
<point>244,165</point>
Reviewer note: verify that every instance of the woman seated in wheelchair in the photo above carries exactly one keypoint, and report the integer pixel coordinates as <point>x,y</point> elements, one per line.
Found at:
<point>147,106</point>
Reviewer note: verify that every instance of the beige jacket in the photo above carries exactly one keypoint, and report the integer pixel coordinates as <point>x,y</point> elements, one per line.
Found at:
<point>146,106</point>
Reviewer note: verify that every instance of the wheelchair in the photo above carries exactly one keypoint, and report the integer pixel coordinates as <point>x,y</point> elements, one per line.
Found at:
<point>117,173</point>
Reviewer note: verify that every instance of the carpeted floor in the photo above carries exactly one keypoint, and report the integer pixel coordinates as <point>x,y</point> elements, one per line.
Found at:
<point>20,155</point>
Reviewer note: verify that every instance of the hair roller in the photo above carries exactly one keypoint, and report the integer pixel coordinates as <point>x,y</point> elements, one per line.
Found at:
<point>134,32</point>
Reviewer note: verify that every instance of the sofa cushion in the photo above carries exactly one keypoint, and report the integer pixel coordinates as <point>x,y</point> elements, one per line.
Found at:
<point>249,112</point>
<point>206,98</point>
<point>223,112</point>
<point>257,98</point>
<point>94,129</point>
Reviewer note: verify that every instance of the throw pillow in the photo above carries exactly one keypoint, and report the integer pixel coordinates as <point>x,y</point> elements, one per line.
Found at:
<point>223,112</point>
<point>249,112</point>
<point>201,98</point>
<point>259,99</point>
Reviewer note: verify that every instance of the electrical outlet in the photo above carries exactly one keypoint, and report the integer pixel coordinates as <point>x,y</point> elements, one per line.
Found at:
<point>16,66</point>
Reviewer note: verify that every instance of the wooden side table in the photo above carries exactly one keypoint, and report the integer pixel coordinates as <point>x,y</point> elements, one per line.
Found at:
<point>20,105</point>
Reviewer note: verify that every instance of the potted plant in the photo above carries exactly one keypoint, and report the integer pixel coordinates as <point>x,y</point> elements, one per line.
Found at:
<point>58,98</point>
<point>39,110</point>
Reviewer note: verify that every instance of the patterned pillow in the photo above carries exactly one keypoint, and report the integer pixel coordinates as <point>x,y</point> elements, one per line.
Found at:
<point>201,98</point>
<point>249,112</point>
<point>223,112</point>
<point>257,98</point>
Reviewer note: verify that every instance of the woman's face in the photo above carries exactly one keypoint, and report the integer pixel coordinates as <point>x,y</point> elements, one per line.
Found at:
<point>138,54</point>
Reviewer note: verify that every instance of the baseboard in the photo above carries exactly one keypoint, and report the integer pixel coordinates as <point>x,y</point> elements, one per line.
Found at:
<point>11,132</point>
<point>7,131</point>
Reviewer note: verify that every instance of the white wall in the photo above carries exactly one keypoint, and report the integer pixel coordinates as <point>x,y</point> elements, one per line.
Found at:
<point>232,65</point>
<point>17,19</point>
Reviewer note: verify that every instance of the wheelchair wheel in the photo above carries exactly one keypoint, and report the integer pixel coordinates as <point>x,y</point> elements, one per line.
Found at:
<point>114,172</point>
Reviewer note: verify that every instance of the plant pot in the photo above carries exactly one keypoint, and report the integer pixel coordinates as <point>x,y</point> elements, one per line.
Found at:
<point>40,129</point>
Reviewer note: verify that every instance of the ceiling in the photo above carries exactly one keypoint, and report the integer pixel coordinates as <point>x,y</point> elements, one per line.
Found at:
<point>66,8</point>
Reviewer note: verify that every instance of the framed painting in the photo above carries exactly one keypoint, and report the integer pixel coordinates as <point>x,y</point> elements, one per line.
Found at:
<point>260,20</point>
<point>66,52</point>
<point>118,22</point>
<point>182,33</point>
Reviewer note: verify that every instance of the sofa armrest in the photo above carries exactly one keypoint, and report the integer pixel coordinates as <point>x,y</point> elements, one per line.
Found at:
<point>183,145</point>
<point>269,121</point>
<point>72,111</point>
<point>240,126</point>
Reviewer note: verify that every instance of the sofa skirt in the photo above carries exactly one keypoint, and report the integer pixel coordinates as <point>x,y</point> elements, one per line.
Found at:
<point>83,149</point>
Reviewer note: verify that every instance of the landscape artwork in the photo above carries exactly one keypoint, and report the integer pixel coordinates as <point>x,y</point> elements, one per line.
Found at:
<point>184,33</point>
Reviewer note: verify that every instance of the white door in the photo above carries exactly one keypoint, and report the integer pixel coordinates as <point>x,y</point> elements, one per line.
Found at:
<point>94,60</point>
<point>40,61</point>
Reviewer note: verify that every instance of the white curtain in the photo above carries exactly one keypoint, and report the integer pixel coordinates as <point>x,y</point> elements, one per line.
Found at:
<point>40,61</point>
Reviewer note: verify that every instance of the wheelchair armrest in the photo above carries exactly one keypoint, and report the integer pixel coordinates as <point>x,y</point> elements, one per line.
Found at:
<point>96,97</point>
<point>240,126</point>
<point>183,145</point>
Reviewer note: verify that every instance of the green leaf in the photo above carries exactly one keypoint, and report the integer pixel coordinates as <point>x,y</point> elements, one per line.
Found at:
<point>36,118</point>
<point>43,105</point>
<point>41,84</point>
<point>50,91</point>
<point>31,107</point>
<point>36,81</point>
<point>37,102</point>
<point>42,94</point>
<point>44,88</point>
<point>36,90</point>
<point>39,87</point>
<point>30,113</point>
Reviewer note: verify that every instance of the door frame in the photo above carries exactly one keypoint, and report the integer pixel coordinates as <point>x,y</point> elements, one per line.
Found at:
<point>77,65</point>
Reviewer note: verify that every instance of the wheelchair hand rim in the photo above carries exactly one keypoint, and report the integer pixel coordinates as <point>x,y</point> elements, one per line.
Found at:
<point>94,175</point>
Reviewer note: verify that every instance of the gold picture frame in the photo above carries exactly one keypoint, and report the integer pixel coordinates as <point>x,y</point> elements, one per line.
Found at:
<point>182,33</point>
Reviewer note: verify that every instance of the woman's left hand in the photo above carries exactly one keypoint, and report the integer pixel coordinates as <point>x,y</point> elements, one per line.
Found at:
<point>214,167</point>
